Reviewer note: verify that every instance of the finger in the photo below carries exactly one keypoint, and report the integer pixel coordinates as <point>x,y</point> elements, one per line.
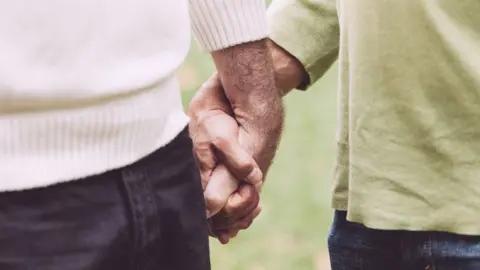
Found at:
<point>242,202</point>
<point>239,205</point>
<point>211,230</point>
<point>238,161</point>
<point>206,160</point>
<point>214,124</point>
<point>225,236</point>
<point>222,224</point>
<point>233,234</point>
<point>246,222</point>
<point>219,188</point>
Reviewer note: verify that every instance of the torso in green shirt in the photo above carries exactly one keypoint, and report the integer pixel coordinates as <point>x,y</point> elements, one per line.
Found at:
<point>409,135</point>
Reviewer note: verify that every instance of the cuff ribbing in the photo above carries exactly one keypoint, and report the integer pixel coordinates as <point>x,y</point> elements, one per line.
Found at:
<point>218,24</point>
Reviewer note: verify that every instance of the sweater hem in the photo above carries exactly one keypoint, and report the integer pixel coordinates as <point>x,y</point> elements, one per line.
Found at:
<point>48,148</point>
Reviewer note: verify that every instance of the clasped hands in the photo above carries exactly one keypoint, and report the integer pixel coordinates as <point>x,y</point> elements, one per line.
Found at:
<point>236,124</point>
<point>231,178</point>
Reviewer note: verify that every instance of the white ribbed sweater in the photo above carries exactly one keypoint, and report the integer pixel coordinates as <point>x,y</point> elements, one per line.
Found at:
<point>87,86</point>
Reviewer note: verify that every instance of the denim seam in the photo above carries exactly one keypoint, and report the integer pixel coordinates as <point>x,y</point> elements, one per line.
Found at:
<point>153,202</point>
<point>135,214</point>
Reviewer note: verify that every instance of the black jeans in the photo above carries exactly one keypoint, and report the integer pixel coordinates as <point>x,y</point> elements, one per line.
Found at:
<point>147,216</point>
<point>354,247</point>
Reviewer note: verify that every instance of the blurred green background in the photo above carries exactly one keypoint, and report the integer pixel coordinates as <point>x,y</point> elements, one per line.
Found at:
<point>291,231</point>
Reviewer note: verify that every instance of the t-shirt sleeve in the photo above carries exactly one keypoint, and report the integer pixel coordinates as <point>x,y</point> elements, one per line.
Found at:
<point>309,30</point>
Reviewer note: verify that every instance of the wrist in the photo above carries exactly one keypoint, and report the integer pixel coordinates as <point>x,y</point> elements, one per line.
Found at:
<point>248,79</point>
<point>289,71</point>
<point>247,75</point>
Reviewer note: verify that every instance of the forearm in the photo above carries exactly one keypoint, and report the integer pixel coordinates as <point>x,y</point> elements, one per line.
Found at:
<point>235,32</point>
<point>247,76</point>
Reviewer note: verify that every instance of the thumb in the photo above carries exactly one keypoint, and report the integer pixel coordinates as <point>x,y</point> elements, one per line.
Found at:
<point>241,164</point>
<point>206,161</point>
<point>219,188</point>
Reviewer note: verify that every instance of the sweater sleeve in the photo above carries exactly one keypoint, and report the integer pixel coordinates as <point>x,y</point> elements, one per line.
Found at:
<point>309,30</point>
<point>218,24</point>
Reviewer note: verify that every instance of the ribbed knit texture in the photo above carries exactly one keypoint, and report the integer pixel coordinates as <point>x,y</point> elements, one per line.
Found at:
<point>88,86</point>
<point>218,24</point>
<point>41,149</point>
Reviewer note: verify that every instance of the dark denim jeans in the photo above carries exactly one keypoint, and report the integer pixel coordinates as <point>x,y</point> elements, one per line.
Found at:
<point>354,247</point>
<point>147,216</point>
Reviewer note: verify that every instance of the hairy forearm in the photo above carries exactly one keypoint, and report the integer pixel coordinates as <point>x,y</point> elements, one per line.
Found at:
<point>289,72</point>
<point>247,76</point>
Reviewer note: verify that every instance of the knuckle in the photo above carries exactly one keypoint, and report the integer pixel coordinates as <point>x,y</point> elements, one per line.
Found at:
<point>248,202</point>
<point>233,212</point>
<point>200,120</point>
<point>245,166</point>
<point>240,207</point>
<point>220,141</point>
<point>200,146</point>
<point>245,201</point>
<point>260,175</point>
<point>245,224</point>
<point>204,156</point>
<point>255,176</point>
<point>250,194</point>
<point>233,209</point>
<point>214,200</point>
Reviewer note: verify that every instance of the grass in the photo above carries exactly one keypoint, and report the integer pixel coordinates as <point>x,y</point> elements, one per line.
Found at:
<point>291,231</point>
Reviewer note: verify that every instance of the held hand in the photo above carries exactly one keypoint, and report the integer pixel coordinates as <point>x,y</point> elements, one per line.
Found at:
<point>238,201</point>
<point>238,214</point>
<point>258,109</point>
<point>216,134</point>
<point>230,139</point>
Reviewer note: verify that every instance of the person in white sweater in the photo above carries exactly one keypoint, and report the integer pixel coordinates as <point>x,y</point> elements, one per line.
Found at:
<point>96,164</point>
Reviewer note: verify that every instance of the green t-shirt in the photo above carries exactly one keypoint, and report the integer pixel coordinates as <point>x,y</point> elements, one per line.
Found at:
<point>409,101</point>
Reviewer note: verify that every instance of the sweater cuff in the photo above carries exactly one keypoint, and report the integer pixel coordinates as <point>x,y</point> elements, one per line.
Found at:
<point>218,24</point>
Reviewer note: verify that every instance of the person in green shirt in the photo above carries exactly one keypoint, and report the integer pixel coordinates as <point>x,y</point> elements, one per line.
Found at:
<point>407,178</point>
